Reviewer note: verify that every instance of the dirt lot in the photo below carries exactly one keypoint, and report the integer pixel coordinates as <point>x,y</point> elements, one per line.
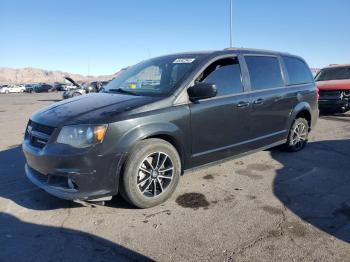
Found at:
<point>269,206</point>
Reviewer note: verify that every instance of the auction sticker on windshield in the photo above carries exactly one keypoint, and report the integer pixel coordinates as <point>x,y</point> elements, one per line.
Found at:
<point>184,60</point>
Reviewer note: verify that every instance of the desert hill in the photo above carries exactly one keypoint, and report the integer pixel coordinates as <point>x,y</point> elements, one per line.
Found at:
<point>35,75</point>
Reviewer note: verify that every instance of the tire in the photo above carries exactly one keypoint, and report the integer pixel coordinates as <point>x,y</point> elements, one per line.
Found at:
<point>298,135</point>
<point>150,155</point>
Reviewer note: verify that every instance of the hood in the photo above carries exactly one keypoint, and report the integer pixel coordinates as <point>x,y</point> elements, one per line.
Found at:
<point>95,108</point>
<point>334,84</point>
<point>72,82</point>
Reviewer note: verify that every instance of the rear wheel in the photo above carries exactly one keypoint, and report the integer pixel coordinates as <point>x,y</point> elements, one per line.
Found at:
<point>151,173</point>
<point>298,135</point>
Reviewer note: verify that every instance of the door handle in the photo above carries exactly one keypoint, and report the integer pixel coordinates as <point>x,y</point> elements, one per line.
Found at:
<point>278,98</point>
<point>259,101</point>
<point>243,104</point>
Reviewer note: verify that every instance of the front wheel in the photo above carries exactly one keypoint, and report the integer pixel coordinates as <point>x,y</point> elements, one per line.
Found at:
<point>151,173</point>
<point>298,135</point>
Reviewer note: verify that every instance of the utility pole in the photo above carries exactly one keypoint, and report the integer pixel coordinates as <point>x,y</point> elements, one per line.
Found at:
<point>231,7</point>
<point>89,66</point>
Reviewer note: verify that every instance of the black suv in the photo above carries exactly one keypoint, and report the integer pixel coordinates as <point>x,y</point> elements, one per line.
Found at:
<point>40,88</point>
<point>168,115</point>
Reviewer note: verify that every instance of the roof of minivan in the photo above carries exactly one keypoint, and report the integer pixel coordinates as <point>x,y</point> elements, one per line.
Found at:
<point>233,50</point>
<point>252,50</point>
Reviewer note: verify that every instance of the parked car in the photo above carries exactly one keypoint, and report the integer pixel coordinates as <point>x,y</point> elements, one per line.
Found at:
<point>29,88</point>
<point>333,83</point>
<point>12,89</point>
<point>104,83</point>
<point>40,88</point>
<point>60,87</point>
<point>81,89</point>
<point>3,86</point>
<point>137,138</point>
<point>75,90</point>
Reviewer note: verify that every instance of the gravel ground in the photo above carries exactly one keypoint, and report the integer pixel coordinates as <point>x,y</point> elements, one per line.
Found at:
<point>269,206</point>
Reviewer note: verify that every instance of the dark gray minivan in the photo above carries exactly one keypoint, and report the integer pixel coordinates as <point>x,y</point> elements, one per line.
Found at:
<point>168,115</point>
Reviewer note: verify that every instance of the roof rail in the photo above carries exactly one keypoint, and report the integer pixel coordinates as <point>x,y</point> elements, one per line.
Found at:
<point>254,50</point>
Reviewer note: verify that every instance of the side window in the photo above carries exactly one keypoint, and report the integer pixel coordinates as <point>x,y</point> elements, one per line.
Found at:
<point>264,71</point>
<point>225,74</point>
<point>298,71</point>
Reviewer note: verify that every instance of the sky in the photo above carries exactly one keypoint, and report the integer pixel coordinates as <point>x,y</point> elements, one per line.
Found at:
<point>100,37</point>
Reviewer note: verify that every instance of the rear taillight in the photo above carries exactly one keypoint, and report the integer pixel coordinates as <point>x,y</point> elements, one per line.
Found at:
<point>318,93</point>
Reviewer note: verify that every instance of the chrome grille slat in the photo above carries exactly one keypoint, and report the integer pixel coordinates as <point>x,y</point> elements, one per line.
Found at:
<point>39,134</point>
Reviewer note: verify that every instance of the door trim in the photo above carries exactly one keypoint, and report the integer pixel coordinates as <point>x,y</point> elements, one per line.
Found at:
<point>216,162</point>
<point>238,144</point>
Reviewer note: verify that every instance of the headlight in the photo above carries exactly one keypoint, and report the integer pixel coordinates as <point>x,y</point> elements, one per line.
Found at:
<point>346,93</point>
<point>82,136</point>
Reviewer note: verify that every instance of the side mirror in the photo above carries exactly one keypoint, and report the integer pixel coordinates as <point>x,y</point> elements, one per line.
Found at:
<point>202,91</point>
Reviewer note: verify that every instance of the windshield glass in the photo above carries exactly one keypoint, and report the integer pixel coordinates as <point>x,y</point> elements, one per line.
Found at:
<point>154,77</point>
<point>336,73</point>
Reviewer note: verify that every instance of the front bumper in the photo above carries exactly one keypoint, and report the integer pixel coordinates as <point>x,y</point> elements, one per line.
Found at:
<point>81,176</point>
<point>333,100</point>
<point>341,103</point>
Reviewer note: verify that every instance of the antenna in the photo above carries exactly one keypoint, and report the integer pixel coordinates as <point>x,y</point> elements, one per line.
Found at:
<point>231,10</point>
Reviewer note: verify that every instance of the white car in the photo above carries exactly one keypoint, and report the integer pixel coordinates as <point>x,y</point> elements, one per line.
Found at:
<point>12,89</point>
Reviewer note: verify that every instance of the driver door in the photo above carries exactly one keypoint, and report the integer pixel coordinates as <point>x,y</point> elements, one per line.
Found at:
<point>220,125</point>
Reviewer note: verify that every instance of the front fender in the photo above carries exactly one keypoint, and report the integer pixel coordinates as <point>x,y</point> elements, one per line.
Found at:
<point>141,132</point>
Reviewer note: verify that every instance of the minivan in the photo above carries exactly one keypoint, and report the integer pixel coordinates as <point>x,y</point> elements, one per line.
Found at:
<point>166,116</point>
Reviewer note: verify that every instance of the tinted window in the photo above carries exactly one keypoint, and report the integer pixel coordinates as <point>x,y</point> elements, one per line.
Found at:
<point>298,71</point>
<point>336,73</point>
<point>264,72</point>
<point>225,74</point>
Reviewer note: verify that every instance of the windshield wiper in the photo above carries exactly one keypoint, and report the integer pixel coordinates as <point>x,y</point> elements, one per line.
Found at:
<point>120,90</point>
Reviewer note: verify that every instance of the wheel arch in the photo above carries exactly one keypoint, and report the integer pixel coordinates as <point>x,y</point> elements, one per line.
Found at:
<point>301,110</point>
<point>168,132</point>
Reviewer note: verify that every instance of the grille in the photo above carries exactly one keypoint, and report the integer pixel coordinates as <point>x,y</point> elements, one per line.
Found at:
<point>330,93</point>
<point>48,130</point>
<point>39,134</point>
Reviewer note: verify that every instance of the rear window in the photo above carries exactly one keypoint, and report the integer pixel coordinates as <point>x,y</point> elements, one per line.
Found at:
<point>336,73</point>
<point>298,71</point>
<point>264,72</point>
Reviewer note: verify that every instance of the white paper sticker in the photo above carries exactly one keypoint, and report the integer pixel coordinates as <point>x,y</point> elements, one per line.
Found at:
<point>184,60</point>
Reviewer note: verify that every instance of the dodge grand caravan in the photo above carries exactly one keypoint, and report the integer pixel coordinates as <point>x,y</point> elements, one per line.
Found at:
<point>168,115</point>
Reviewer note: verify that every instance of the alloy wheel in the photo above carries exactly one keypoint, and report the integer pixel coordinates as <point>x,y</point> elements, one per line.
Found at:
<point>299,135</point>
<point>155,174</point>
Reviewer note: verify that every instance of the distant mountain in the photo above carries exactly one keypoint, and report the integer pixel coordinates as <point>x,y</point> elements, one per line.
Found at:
<point>35,75</point>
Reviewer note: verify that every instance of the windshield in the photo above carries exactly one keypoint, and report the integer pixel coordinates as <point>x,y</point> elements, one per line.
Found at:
<point>154,77</point>
<point>336,73</point>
